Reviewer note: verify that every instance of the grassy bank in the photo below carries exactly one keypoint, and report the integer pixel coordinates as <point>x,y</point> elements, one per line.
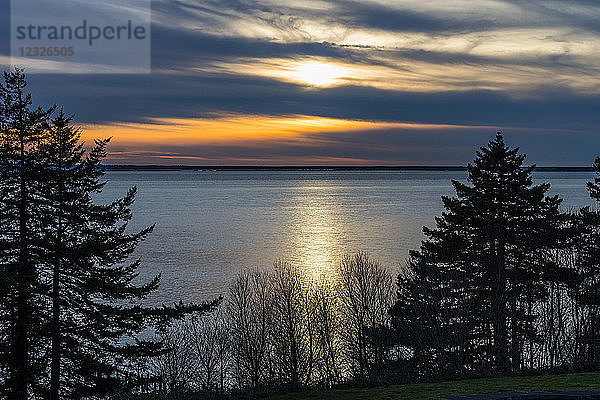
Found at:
<point>422,391</point>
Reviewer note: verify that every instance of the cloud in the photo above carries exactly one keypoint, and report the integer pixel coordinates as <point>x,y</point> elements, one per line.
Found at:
<point>518,51</point>
<point>301,139</point>
<point>4,29</point>
<point>530,68</point>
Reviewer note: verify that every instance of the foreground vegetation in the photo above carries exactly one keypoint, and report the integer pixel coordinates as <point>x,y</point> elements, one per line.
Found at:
<point>505,284</point>
<point>421,391</point>
<point>71,306</point>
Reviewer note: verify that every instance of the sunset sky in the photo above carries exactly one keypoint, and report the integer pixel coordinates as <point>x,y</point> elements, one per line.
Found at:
<point>324,82</point>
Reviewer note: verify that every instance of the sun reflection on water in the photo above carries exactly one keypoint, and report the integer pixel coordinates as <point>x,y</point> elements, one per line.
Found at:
<point>317,235</point>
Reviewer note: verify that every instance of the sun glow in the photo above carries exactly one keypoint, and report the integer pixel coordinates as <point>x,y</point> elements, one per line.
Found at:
<point>313,71</point>
<point>317,73</point>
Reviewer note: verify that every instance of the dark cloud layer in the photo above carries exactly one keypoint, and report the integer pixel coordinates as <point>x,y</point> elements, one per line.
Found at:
<point>134,98</point>
<point>554,123</point>
<point>4,27</point>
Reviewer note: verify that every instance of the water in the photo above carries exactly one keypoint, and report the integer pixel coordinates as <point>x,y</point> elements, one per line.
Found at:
<point>212,224</point>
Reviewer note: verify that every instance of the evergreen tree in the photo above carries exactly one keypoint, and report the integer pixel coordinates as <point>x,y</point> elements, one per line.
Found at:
<point>586,284</point>
<point>431,320</point>
<point>21,127</point>
<point>71,305</point>
<point>479,273</point>
<point>96,311</point>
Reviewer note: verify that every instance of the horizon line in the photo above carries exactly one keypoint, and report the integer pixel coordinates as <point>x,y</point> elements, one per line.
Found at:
<point>321,167</point>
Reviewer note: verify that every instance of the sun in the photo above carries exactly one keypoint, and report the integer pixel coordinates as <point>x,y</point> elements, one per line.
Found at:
<point>316,73</point>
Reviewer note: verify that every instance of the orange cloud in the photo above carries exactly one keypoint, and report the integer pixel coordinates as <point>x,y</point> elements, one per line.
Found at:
<point>156,140</point>
<point>237,128</point>
<point>222,129</point>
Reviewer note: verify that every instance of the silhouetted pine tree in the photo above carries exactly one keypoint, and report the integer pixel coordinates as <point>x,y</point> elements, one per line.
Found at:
<point>478,274</point>
<point>96,311</point>
<point>586,286</point>
<point>21,127</point>
<point>71,309</point>
<point>431,319</point>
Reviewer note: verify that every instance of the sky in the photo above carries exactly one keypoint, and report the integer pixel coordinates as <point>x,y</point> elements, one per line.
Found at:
<point>338,82</point>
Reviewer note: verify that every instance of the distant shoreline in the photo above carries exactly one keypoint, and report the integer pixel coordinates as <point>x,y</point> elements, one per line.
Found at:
<point>316,168</point>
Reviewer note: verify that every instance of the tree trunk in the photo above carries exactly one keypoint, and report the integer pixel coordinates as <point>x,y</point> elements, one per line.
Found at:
<point>499,306</point>
<point>56,331</point>
<point>20,361</point>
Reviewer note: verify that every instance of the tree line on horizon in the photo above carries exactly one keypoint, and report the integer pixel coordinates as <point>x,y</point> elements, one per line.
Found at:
<point>505,282</point>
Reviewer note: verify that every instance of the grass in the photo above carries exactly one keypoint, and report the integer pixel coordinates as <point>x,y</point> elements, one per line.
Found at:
<point>421,391</point>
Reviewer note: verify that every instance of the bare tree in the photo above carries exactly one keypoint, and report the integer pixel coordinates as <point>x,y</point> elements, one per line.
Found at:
<point>294,331</point>
<point>211,345</point>
<point>366,295</point>
<point>328,343</point>
<point>174,367</point>
<point>280,327</point>
<point>250,313</point>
